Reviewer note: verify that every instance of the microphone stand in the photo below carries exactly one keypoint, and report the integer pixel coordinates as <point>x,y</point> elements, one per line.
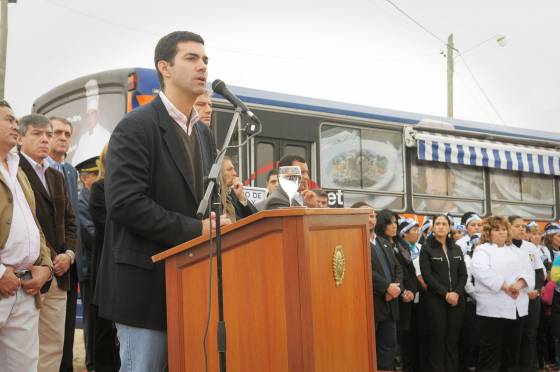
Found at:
<point>213,194</point>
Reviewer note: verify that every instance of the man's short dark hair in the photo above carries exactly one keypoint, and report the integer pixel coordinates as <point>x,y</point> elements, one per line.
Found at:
<point>5,104</point>
<point>320,192</point>
<point>288,160</point>
<point>273,172</point>
<point>166,48</point>
<point>34,120</point>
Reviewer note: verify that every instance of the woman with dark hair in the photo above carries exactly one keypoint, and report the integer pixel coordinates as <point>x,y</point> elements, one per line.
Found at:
<point>503,277</point>
<point>443,269</point>
<point>407,253</point>
<point>552,239</point>
<point>387,282</point>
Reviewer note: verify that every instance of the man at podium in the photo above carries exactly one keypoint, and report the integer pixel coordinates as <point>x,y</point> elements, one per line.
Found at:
<point>154,183</point>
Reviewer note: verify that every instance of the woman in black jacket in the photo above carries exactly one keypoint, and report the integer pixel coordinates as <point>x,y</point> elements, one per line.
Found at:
<point>444,271</point>
<point>387,284</point>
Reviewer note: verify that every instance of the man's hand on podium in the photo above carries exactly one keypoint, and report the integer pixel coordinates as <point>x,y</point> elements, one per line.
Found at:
<point>206,223</point>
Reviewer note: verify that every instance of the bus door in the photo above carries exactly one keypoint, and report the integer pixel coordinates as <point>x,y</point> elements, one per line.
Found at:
<point>268,151</point>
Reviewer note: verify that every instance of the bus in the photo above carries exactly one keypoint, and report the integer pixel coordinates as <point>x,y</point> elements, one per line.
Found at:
<point>408,162</point>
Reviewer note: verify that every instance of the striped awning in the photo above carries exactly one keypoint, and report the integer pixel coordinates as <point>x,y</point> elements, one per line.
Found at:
<point>482,153</point>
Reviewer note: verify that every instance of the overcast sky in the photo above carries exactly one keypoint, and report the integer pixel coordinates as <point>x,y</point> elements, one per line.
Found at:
<point>357,51</point>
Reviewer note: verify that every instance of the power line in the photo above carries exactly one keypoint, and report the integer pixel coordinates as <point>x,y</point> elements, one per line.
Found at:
<point>476,99</point>
<point>417,23</point>
<point>219,48</point>
<point>458,55</point>
<point>99,19</point>
<point>482,90</point>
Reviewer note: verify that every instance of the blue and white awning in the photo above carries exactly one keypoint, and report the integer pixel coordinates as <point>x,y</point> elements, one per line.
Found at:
<point>483,153</point>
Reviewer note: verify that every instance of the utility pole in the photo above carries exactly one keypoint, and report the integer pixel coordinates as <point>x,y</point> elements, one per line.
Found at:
<point>3,42</point>
<point>450,69</point>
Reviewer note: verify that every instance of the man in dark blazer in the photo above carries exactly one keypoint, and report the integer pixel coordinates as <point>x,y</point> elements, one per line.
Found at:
<point>153,185</point>
<point>57,221</point>
<point>60,144</point>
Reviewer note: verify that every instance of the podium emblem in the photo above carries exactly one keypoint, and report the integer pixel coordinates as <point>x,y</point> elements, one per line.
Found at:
<point>338,265</point>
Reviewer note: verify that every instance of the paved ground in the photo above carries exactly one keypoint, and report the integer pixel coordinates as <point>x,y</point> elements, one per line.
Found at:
<point>79,351</point>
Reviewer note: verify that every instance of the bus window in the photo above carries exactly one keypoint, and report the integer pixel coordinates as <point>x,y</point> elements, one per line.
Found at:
<point>525,194</point>
<point>363,160</point>
<point>340,158</point>
<point>265,156</point>
<point>367,161</point>
<point>441,187</point>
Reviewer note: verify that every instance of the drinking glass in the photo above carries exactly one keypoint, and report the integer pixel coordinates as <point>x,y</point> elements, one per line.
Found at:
<point>289,178</point>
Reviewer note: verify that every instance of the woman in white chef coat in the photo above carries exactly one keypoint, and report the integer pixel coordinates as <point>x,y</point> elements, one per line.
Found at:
<point>503,277</point>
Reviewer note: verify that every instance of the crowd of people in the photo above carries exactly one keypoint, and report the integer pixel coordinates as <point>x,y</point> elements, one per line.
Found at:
<point>476,296</point>
<point>481,295</point>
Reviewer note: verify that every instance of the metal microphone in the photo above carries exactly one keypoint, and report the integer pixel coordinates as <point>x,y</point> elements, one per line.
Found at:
<point>218,86</point>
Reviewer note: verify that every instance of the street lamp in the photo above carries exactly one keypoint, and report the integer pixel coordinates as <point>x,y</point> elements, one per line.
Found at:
<point>500,39</point>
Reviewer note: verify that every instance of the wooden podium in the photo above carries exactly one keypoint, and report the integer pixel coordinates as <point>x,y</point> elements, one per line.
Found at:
<point>286,305</point>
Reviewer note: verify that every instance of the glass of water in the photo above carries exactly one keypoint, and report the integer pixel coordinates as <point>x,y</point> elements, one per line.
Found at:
<point>289,178</point>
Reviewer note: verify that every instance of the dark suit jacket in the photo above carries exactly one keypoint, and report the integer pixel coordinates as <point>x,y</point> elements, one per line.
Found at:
<point>241,211</point>
<point>208,144</point>
<point>98,214</point>
<point>71,179</point>
<point>85,235</point>
<point>151,206</point>
<point>279,199</point>
<point>54,213</point>
<point>81,266</point>
<point>384,310</point>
